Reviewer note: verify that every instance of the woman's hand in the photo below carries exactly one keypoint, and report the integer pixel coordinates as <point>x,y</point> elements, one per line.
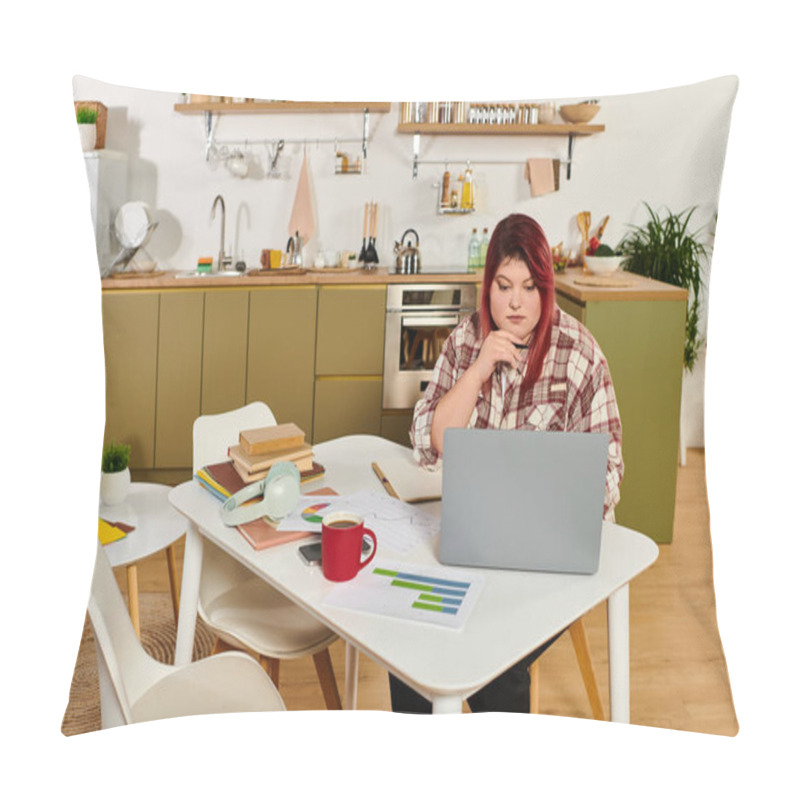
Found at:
<point>498,347</point>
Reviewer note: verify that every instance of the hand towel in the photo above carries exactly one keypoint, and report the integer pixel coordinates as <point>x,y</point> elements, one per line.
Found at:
<point>302,219</point>
<point>540,175</point>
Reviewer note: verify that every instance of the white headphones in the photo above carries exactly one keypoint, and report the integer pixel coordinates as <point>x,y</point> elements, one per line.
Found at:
<point>281,490</point>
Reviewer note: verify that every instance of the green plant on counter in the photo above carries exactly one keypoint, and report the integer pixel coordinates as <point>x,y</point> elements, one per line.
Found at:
<point>115,457</point>
<point>86,116</point>
<point>662,249</point>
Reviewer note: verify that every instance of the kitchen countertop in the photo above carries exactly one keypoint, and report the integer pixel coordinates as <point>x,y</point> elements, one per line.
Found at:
<point>326,276</point>
<point>573,283</point>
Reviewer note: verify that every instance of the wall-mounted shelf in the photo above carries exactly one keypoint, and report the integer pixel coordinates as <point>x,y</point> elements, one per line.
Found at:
<point>281,107</point>
<point>540,129</point>
<point>483,129</point>
<point>216,149</point>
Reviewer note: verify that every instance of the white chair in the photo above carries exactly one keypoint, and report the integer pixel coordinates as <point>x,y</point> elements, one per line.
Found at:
<point>136,688</point>
<point>242,610</point>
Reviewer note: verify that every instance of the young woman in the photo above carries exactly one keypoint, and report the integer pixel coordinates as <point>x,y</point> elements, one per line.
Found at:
<point>518,363</point>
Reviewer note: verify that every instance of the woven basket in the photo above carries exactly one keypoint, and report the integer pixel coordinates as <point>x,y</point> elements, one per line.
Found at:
<point>102,114</point>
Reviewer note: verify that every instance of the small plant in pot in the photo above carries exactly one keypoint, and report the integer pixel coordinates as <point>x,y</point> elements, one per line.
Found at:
<point>87,127</point>
<point>115,477</point>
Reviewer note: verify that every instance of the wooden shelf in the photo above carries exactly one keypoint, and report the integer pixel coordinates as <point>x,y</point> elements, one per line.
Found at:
<point>281,107</point>
<point>454,128</point>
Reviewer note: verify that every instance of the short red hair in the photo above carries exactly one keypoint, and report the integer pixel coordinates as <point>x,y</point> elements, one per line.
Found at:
<point>521,237</point>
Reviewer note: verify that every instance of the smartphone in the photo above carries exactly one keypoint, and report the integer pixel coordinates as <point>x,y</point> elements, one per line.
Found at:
<point>311,554</point>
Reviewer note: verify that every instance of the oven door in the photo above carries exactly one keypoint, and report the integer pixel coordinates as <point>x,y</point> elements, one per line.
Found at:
<point>414,340</point>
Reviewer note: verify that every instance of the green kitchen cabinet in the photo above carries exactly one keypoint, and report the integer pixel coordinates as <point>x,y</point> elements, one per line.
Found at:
<point>349,360</point>
<point>642,338</point>
<point>350,329</point>
<point>130,341</point>
<point>280,354</point>
<point>180,356</point>
<point>225,334</point>
<point>345,406</point>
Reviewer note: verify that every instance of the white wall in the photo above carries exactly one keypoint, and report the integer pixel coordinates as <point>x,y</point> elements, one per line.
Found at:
<point>665,148</point>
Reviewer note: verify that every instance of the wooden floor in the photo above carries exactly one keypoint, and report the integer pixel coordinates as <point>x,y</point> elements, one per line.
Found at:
<point>679,678</point>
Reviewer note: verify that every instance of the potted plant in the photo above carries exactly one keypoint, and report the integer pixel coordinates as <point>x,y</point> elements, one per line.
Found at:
<point>87,127</point>
<point>664,250</point>
<point>115,477</point>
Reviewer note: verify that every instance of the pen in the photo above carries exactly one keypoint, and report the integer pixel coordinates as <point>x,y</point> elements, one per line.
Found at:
<point>384,480</point>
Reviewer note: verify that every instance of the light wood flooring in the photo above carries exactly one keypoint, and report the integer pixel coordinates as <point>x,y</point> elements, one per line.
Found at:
<point>679,678</point>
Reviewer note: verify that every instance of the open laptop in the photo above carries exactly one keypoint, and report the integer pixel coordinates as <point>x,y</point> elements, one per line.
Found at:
<point>528,500</point>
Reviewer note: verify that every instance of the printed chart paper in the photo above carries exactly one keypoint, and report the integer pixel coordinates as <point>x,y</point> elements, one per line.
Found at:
<point>436,595</point>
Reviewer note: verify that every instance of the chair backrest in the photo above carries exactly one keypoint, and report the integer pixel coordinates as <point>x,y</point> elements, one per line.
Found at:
<point>125,669</point>
<point>213,434</point>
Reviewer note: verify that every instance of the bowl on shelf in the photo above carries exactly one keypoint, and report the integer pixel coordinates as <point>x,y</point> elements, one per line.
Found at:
<point>579,113</point>
<point>602,265</point>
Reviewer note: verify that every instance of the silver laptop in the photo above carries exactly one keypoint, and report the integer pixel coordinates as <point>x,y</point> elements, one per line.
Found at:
<point>528,500</point>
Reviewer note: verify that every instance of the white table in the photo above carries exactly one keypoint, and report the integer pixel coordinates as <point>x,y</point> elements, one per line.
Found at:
<point>515,613</point>
<point>157,526</point>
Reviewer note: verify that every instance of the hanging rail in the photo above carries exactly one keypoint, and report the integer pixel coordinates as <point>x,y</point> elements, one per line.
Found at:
<point>418,160</point>
<point>212,143</point>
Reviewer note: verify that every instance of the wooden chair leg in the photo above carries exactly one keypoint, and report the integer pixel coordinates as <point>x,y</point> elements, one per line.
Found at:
<point>580,643</point>
<point>133,598</point>
<point>534,673</point>
<point>174,586</point>
<point>272,666</point>
<point>327,680</point>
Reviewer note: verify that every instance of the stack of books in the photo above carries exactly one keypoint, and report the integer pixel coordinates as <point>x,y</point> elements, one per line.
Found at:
<point>260,448</point>
<point>247,465</point>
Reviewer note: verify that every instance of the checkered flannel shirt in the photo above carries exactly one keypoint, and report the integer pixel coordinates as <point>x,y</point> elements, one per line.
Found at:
<point>573,393</point>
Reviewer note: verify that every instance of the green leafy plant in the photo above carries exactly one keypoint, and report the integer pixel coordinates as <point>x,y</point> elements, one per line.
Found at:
<point>662,249</point>
<point>85,115</point>
<point>115,457</point>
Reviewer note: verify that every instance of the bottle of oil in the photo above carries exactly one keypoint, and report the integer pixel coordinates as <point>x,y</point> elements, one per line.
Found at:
<point>467,194</point>
<point>474,252</point>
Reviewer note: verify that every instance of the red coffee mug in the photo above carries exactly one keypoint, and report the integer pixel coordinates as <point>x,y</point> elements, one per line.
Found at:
<point>342,534</point>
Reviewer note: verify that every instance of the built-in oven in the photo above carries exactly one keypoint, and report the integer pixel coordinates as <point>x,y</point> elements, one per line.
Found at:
<point>419,318</point>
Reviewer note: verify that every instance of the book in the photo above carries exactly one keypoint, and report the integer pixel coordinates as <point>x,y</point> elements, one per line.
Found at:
<point>406,480</point>
<point>271,439</point>
<point>261,534</point>
<point>108,532</point>
<point>222,481</point>
<point>305,465</point>
<point>261,463</point>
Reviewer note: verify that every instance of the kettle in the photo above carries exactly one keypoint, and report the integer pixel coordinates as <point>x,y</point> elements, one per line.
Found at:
<point>408,261</point>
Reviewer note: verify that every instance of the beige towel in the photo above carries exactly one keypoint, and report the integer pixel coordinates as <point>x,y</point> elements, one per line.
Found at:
<point>540,173</point>
<point>302,219</point>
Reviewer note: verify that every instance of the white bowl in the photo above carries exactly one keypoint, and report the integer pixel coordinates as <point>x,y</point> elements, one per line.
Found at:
<point>603,265</point>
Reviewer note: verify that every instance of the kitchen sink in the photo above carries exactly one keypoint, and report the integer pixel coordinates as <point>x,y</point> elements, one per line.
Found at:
<point>228,273</point>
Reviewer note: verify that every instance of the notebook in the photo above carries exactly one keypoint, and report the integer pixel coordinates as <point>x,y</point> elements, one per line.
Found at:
<point>527,500</point>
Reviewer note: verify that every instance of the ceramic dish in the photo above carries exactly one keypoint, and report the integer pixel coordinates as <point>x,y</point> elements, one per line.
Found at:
<point>603,265</point>
<point>132,224</point>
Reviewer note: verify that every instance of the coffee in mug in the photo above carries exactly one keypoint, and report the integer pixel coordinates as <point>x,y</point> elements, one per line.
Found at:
<point>342,534</point>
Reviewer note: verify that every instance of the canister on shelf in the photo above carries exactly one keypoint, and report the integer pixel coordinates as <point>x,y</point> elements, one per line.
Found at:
<point>445,188</point>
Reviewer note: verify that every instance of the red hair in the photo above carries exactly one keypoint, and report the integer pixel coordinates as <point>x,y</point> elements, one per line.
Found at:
<point>521,237</point>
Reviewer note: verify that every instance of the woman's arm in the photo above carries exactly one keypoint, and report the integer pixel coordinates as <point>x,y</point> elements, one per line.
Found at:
<point>455,408</point>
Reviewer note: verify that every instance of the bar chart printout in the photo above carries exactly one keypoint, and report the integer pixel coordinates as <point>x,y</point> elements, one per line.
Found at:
<point>439,596</point>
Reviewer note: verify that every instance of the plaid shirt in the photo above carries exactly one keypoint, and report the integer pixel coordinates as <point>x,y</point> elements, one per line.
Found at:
<point>573,393</point>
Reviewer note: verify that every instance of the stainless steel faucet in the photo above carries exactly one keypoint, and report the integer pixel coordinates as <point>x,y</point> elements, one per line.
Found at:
<point>223,261</point>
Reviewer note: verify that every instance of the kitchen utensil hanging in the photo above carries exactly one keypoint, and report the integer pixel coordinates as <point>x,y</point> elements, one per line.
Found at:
<point>371,259</point>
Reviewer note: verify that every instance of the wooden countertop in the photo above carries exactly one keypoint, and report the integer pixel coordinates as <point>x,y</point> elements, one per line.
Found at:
<point>310,277</point>
<point>577,285</point>
<point>574,283</point>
